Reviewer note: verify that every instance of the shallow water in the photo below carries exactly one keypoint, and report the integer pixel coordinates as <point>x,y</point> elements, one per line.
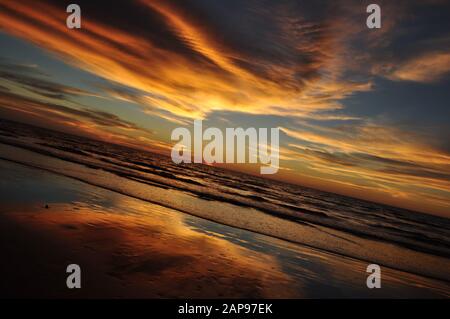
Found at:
<point>138,249</point>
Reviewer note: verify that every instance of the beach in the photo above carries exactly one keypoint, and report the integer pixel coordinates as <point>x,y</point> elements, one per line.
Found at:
<point>129,248</point>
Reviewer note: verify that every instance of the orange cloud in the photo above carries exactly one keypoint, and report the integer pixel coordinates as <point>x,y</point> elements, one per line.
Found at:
<point>213,77</point>
<point>427,68</point>
<point>383,160</point>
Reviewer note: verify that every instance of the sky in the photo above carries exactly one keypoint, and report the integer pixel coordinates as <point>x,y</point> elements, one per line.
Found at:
<point>362,112</point>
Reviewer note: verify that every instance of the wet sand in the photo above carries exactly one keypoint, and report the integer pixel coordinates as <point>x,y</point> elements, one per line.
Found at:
<point>122,256</point>
<point>128,248</point>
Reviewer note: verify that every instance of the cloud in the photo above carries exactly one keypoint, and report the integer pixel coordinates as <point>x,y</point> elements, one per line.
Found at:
<point>149,103</point>
<point>63,114</point>
<point>204,64</point>
<point>189,58</point>
<point>428,68</point>
<point>372,139</point>
<point>376,158</point>
<point>33,80</point>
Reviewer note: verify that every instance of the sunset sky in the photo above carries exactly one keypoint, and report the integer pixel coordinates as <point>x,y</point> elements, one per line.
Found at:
<point>362,112</point>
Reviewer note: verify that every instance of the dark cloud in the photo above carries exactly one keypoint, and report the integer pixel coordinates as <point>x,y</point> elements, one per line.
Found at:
<point>61,112</point>
<point>139,21</point>
<point>32,79</point>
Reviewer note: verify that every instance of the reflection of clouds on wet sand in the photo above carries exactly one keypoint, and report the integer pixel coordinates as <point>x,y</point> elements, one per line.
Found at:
<point>158,256</point>
<point>131,248</point>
